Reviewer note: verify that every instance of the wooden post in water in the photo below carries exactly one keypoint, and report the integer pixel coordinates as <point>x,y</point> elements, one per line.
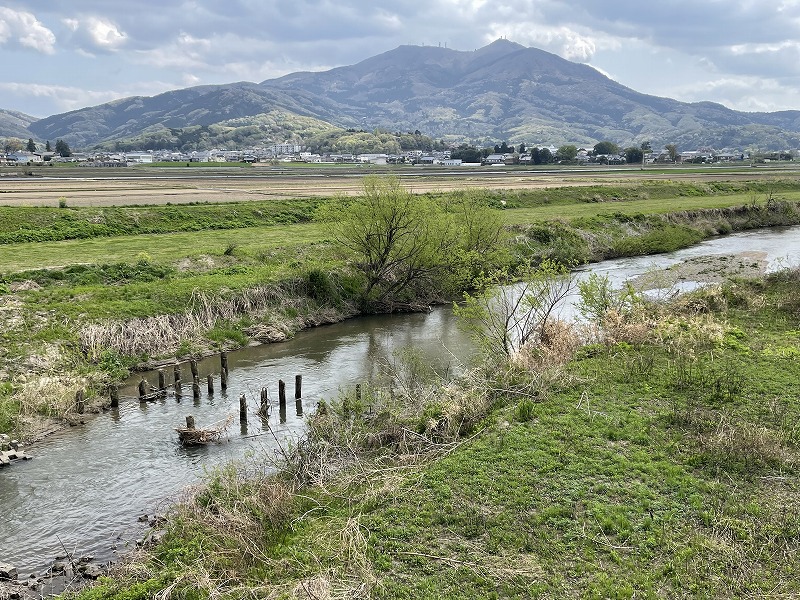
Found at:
<point>264,407</point>
<point>210,380</point>
<point>243,408</point>
<point>223,359</point>
<point>176,372</point>
<point>178,389</point>
<point>282,394</point>
<point>79,405</point>
<point>282,413</point>
<point>162,381</point>
<point>114,395</point>
<point>189,422</point>
<point>298,387</point>
<point>298,406</point>
<point>142,389</point>
<point>223,380</point>
<point>196,390</point>
<point>193,367</point>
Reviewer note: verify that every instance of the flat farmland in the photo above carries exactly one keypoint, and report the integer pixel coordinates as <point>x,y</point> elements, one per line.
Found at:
<point>157,185</point>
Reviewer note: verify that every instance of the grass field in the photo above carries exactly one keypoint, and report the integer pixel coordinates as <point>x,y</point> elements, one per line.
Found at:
<point>148,185</point>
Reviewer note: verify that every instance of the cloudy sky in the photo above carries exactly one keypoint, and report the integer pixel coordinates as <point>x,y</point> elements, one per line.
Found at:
<point>57,56</point>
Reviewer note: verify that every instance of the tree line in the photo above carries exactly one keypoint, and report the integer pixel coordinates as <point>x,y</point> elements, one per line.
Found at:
<point>565,154</point>
<point>12,145</point>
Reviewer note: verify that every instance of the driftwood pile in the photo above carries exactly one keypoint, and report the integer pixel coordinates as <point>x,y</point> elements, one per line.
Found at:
<point>191,436</point>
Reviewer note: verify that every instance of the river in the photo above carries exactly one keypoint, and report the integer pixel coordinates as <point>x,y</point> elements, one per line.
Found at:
<point>87,485</point>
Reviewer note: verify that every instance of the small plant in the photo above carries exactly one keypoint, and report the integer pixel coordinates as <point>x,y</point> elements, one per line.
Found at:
<point>525,411</point>
<point>62,202</point>
<point>230,248</point>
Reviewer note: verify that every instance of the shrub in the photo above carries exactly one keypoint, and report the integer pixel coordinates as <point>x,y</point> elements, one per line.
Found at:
<point>525,411</point>
<point>320,287</point>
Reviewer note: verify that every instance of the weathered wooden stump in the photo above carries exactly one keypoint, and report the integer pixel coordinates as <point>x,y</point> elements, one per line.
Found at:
<point>223,380</point>
<point>263,409</point>
<point>162,381</point>
<point>142,389</point>
<point>189,422</point>
<point>114,396</point>
<point>223,359</point>
<point>243,408</point>
<point>193,367</point>
<point>210,381</point>
<point>282,394</point>
<point>196,390</point>
<point>298,406</point>
<point>298,387</point>
<point>176,372</point>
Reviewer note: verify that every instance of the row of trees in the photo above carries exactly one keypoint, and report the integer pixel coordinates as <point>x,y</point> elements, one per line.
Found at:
<point>565,154</point>
<point>12,145</point>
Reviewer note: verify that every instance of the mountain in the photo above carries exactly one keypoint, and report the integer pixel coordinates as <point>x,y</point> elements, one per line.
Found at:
<point>503,91</point>
<point>15,124</point>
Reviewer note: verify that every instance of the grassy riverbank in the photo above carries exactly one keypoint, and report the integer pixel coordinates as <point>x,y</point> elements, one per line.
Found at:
<point>660,460</point>
<point>102,290</point>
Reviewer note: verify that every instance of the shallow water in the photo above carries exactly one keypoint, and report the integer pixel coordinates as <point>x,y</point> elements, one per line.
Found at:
<point>87,485</point>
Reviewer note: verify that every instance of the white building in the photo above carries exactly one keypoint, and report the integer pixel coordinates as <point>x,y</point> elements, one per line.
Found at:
<point>277,149</point>
<point>373,159</point>
<point>138,158</point>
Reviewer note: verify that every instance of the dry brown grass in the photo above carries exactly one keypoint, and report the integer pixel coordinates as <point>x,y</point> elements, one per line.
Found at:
<point>748,446</point>
<point>164,334</point>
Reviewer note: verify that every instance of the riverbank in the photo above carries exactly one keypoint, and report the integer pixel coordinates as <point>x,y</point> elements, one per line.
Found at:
<point>83,326</point>
<point>653,455</point>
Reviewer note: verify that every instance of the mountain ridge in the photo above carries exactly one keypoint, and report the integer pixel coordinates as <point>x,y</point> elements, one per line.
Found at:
<point>502,91</point>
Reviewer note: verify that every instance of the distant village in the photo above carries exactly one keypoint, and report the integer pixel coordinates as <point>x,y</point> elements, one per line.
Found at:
<point>290,152</point>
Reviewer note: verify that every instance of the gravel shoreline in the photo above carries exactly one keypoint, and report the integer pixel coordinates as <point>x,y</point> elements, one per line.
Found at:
<point>703,270</point>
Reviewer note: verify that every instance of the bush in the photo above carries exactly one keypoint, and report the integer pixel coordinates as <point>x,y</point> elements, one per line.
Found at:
<point>320,287</point>
<point>555,242</point>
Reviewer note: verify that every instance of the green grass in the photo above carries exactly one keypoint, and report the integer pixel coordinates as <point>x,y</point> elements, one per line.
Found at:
<point>162,248</point>
<point>38,224</point>
<point>168,233</point>
<point>649,206</point>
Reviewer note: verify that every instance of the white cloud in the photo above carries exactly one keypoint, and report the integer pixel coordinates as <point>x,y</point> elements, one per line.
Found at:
<point>743,93</point>
<point>23,29</point>
<point>184,52</point>
<point>67,98</point>
<point>569,43</point>
<point>95,34</point>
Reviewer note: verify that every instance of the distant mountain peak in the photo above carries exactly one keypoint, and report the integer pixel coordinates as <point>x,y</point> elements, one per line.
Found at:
<point>504,44</point>
<point>503,91</point>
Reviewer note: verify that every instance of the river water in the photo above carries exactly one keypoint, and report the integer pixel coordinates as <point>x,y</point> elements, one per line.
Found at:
<point>86,485</point>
